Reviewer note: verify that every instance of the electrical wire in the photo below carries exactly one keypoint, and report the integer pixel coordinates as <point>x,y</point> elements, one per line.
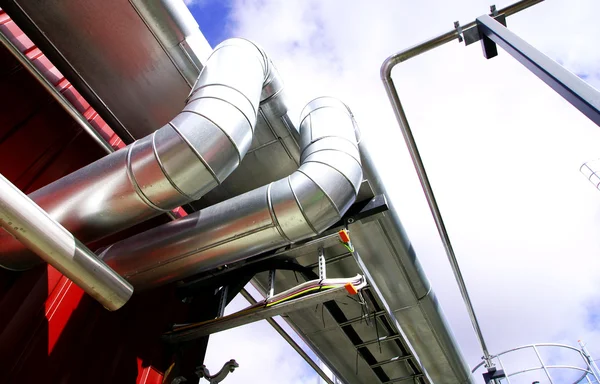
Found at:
<point>303,289</point>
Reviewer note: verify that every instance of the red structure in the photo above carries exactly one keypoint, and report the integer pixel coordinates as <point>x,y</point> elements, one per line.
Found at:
<point>50,331</point>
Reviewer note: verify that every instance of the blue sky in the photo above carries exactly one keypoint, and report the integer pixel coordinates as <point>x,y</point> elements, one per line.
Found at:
<point>211,15</point>
<point>502,151</point>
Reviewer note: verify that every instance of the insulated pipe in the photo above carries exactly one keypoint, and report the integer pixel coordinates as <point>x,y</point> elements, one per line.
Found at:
<point>30,225</point>
<point>297,207</point>
<point>179,163</point>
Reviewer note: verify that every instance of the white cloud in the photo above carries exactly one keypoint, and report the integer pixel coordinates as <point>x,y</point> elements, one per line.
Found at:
<point>502,151</point>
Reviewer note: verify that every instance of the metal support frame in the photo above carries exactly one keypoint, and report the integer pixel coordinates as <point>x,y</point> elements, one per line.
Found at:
<point>322,265</point>
<point>236,320</point>
<point>377,315</point>
<point>586,372</point>
<point>386,77</point>
<point>32,226</point>
<point>576,91</point>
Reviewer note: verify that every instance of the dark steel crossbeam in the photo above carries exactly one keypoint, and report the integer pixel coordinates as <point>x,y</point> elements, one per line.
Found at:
<point>236,320</point>
<point>331,260</point>
<point>576,91</point>
<point>392,360</point>
<point>413,378</point>
<point>361,318</point>
<point>382,339</point>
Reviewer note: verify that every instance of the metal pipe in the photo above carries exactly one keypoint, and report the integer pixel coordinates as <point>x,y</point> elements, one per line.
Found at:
<point>56,95</point>
<point>286,211</point>
<point>30,225</point>
<point>178,163</point>
<point>290,340</point>
<point>386,72</point>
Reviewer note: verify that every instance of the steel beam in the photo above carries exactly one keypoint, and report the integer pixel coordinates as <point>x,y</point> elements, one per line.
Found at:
<point>576,91</point>
<point>235,320</point>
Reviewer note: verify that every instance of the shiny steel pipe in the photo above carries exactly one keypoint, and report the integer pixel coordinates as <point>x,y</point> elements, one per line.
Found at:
<point>179,163</point>
<point>386,77</point>
<point>274,111</point>
<point>30,225</point>
<point>286,211</point>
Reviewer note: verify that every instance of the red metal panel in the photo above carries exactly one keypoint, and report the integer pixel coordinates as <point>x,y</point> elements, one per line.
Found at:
<point>50,331</point>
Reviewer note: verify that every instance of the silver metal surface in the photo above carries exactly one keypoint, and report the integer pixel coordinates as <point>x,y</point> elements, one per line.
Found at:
<point>31,226</point>
<point>177,32</point>
<point>388,258</point>
<point>289,210</point>
<point>179,163</point>
<point>386,72</point>
<point>290,341</point>
<point>135,62</point>
<point>56,95</point>
<point>274,153</point>
<point>235,320</point>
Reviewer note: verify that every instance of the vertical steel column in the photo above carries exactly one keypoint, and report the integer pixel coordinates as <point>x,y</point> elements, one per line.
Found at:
<point>576,91</point>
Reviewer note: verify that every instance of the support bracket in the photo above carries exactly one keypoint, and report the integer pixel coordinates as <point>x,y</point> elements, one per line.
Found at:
<point>235,320</point>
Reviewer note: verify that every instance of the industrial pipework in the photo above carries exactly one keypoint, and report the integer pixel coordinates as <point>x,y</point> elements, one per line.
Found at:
<point>294,208</point>
<point>30,225</point>
<point>178,163</point>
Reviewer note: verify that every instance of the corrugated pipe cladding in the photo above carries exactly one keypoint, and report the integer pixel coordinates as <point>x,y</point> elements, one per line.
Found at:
<point>178,163</point>
<point>297,207</point>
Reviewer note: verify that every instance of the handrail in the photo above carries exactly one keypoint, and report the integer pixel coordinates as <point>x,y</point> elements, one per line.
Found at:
<point>386,77</point>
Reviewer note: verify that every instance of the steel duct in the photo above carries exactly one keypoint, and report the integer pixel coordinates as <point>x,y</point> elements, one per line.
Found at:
<point>178,163</point>
<point>288,210</point>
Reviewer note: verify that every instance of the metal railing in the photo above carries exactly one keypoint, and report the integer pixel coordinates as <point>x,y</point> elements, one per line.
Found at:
<point>588,375</point>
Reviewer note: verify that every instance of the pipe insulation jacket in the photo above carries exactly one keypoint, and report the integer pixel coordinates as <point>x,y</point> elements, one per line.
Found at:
<point>178,163</point>
<point>294,208</point>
